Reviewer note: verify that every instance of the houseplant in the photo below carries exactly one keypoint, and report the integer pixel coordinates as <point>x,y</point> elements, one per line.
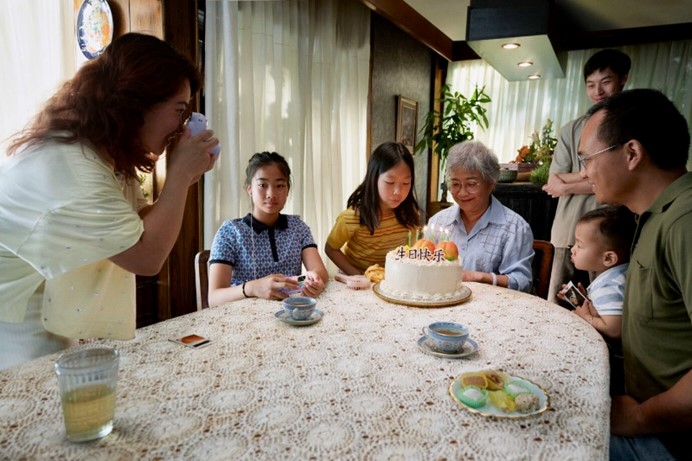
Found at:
<point>538,155</point>
<point>454,124</point>
<point>541,147</point>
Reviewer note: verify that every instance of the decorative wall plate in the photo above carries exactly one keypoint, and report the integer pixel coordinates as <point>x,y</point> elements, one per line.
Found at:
<point>94,27</point>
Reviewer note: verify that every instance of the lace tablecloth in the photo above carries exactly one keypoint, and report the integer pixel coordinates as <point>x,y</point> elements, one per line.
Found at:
<point>353,386</point>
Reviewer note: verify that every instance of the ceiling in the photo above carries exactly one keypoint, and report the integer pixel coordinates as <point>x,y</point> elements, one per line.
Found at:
<point>585,19</point>
<point>543,30</point>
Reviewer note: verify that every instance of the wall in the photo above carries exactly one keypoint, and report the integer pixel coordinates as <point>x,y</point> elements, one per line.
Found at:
<point>400,66</point>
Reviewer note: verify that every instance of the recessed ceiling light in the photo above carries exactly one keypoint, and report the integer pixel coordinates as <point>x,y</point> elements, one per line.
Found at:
<point>510,46</point>
<point>525,64</point>
<point>534,76</point>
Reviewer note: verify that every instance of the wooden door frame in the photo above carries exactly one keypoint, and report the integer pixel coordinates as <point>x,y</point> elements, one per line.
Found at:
<point>176,280</point>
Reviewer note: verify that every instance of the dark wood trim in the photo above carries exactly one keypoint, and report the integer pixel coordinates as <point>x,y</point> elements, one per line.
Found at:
<point>120,9</point>
<point>439,79</point>
<point>575,40</point>
<point>368,115</point>
<point>461,51</point>
<point>177,281</point>
<point>413,23</point>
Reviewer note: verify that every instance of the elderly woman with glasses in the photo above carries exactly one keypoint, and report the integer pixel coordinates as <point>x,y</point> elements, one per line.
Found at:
<point>495,243</point>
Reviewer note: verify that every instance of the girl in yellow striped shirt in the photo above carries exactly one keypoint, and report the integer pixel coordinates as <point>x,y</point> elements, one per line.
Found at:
<point>380,212</point>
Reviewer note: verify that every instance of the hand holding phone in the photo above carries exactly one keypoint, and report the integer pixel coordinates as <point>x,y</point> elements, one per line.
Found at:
<point>572,295</point>
<point>198,123</point>
<point>293,291</point>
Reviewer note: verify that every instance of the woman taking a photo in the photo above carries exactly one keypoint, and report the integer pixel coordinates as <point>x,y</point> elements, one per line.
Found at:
<point>75,228</point>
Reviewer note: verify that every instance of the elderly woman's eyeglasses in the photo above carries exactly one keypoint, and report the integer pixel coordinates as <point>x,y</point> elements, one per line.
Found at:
<point>471,186</point>
<point>583,160</point>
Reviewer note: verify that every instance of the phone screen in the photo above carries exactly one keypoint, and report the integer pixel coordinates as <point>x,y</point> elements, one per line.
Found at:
<point>573,295</point>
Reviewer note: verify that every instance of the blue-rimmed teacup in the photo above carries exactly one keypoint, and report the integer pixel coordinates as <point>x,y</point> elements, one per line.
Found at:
<point>447,336</point>
<point>300,307</point>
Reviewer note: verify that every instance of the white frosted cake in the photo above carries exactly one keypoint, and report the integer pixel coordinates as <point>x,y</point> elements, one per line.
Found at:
<point>420,278</point>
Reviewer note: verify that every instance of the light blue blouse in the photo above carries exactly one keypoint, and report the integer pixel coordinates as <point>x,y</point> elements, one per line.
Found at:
<point>501,242</point>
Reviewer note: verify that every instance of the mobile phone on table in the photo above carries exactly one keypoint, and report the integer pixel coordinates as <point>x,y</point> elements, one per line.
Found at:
<point>194,341</point>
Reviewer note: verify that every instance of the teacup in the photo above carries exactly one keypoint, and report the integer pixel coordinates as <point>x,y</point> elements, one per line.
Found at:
<point>300,307</point>
<point>447,336</point>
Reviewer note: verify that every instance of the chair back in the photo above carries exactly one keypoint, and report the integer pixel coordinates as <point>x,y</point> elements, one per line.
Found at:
<point>202,279</point>
<point>542,266</point>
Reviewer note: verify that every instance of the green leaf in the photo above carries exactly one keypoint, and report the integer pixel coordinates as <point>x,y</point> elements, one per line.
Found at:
<point>441,131</point>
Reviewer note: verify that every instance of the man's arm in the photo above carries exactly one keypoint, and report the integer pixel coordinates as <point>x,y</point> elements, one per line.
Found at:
<point>560,184</point>
<point>666,412</point>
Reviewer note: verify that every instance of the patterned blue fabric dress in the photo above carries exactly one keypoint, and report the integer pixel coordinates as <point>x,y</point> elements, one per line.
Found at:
<point>255,250</point>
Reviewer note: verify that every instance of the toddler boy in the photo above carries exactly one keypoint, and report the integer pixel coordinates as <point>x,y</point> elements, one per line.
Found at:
<point>602,245</point>
<point>603,238</point>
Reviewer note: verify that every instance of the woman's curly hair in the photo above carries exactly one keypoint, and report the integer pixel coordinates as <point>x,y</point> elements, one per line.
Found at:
<point>105,102</point>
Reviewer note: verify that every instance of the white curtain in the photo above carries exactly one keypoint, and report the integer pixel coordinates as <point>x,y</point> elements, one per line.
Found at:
<point>519,108</point>
<point>37,54</point>
<point>292,77</point>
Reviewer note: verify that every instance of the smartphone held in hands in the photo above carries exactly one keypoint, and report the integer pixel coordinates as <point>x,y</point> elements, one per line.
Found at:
<point>295,292</point>
<point>573,296</point>
<point>198,123</point>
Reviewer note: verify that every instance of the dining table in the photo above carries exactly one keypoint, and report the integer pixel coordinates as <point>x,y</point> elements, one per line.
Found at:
<point>355,385</point>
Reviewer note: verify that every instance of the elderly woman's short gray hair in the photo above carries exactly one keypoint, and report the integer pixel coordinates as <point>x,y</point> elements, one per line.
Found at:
<point>475,156</point>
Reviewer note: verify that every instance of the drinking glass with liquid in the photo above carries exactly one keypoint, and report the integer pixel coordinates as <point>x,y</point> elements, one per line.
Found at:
<point>87,380</point>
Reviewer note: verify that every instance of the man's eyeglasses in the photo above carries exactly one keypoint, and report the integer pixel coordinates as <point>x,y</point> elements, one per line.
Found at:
<point>583,160</point>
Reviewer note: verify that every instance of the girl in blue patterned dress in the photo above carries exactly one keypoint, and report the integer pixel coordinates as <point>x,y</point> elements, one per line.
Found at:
<point>262,254</point>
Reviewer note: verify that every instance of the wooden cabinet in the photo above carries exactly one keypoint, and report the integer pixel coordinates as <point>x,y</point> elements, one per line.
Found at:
<point>147,300</point>
<point>532,203</point>
<point>435,207</point>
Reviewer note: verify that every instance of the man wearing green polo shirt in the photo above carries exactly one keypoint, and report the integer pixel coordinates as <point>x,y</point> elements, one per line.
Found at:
<point>634,150</point>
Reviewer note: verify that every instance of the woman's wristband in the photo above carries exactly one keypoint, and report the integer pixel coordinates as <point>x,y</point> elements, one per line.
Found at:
<point>494,278</point>
<point>244,294</point>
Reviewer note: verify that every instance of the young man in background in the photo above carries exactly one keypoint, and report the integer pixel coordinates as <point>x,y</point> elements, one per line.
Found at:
<point>605,73</point>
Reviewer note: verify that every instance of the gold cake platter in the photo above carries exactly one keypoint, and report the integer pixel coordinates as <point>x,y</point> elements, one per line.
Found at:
<point>462,297</point>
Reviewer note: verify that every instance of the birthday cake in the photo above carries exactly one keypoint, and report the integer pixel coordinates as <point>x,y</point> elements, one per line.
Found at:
<point>423,272</point>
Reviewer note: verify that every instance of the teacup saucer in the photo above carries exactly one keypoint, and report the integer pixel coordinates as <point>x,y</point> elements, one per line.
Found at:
<point>285,316</point>
<point>470,347</point>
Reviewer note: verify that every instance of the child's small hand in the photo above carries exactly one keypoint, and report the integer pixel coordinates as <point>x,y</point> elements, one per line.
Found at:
<point>313,285</point>
<point>587,311</point>
<point>582,290</point>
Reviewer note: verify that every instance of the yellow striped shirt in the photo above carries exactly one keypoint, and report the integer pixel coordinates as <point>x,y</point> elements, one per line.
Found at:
<point>362,249</point>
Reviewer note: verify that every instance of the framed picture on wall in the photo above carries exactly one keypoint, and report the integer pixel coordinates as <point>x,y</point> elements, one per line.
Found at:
<point>406,121</point>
